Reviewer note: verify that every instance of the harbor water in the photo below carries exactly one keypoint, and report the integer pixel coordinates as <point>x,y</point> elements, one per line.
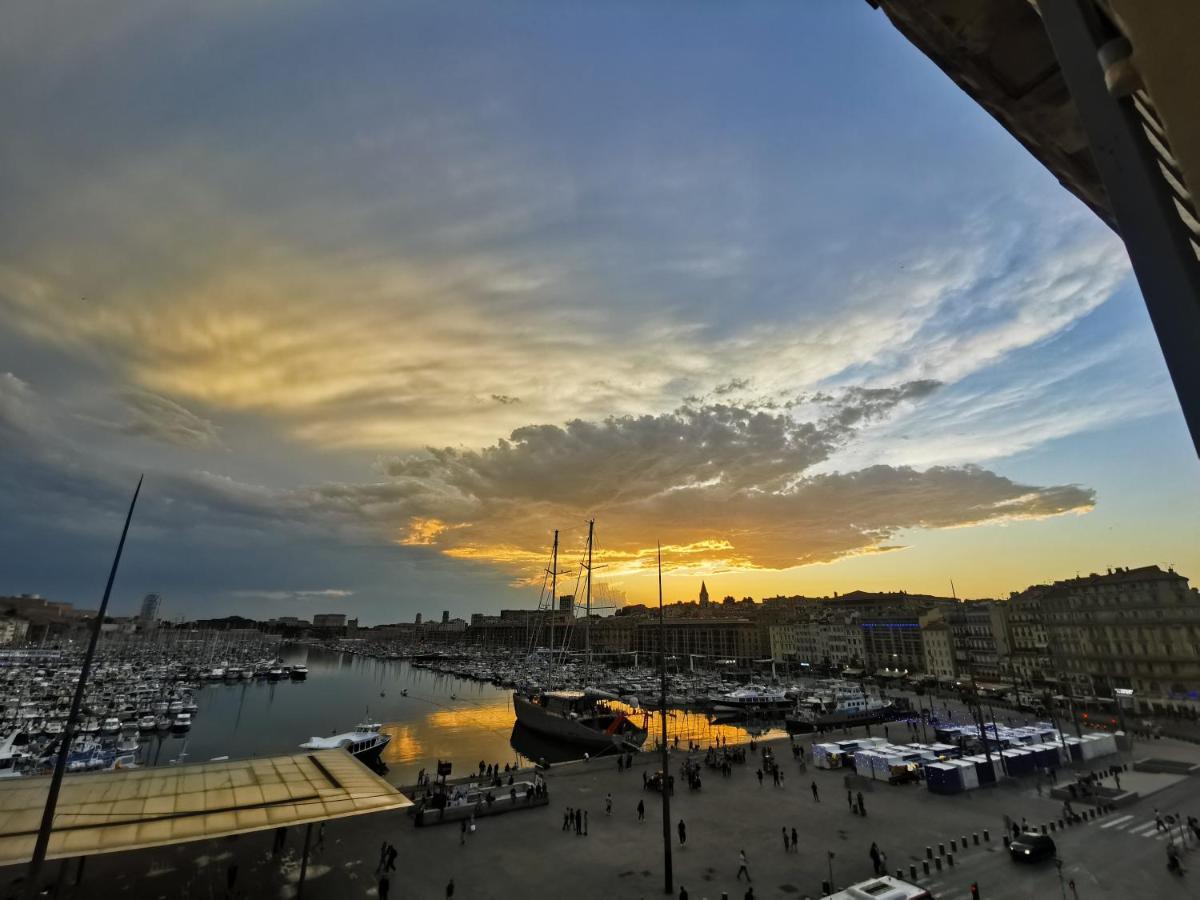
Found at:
<point>429,716</point>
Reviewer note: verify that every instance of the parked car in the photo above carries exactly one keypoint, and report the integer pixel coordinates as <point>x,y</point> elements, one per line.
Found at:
<point>883,888</point>
<point>1032,848</point>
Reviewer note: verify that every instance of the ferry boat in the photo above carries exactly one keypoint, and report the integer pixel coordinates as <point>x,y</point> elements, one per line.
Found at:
<point>751,699</point>
<point>839,704</point>
<point>583,718</point>
<point>363,744</point>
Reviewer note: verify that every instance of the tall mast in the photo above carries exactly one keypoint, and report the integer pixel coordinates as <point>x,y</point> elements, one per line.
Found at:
<point>587,622</point>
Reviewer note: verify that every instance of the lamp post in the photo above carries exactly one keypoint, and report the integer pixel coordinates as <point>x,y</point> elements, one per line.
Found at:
<point>666,767</point>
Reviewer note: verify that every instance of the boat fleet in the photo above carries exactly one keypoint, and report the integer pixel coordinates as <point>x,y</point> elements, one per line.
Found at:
<point>134,694</point>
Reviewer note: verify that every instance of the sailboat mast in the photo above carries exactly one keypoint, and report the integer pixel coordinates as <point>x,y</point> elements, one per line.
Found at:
<point>587,622</point>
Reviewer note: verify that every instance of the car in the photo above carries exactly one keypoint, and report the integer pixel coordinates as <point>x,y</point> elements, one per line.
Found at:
<point>882,888</point>
<point>1031,847</point>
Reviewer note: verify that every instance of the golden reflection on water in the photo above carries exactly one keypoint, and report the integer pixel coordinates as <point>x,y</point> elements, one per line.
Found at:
<point>497,716</point>
<point>404,746</point>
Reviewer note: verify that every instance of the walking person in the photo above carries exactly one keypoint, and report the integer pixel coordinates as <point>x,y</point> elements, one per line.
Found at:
<point>760,776</point>
<point>449,889</point>
<point>816,796</point>
<point>385,885</point>
<point>683,894</point>
<point>392,853</point>
<point>462,833</point>
<point>850,800</point>
<point>682,833</point>
<point>795,841</point>
<point>641,811</point>
<point>585,812</point>
<point>874,854</point>
<point>378,866</point>
<point>786,841</point>
<point>608,805</point>
<point>566,819</point>
<point>743,866</point>
<point>862,809</point>
<point>1158,821</point>
<point>320,837</point>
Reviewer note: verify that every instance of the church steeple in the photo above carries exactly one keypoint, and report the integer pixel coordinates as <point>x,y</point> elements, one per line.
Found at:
<point>703,594</point>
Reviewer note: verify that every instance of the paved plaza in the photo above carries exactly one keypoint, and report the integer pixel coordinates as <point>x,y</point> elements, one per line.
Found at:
<point>527,853</point>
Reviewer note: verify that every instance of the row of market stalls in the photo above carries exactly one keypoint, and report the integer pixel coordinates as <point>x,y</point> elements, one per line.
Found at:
<point>963,758</point>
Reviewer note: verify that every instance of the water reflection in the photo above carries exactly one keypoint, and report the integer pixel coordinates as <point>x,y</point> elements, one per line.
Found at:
<point>442,717</point>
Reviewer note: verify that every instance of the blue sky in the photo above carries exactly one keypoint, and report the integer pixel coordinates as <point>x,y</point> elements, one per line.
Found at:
<point>803,301</point>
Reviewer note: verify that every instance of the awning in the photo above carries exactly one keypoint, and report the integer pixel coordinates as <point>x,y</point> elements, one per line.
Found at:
<point>130,809</point>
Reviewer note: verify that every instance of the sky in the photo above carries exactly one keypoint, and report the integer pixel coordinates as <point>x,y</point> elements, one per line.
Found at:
<point>378,295</point>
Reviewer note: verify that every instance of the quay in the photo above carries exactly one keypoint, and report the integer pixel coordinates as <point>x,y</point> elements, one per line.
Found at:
<point>527,853</point>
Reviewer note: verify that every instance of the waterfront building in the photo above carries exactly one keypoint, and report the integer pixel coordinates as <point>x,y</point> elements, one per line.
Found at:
<point>785,640</point>
<point>1129,629</point>
<point>979,630</point>
<point>893,642</point>
<point>151,604</point>
<point>715,639</point>
<point>329,620</point>
<point>12,629</point>
<point>938,643</point>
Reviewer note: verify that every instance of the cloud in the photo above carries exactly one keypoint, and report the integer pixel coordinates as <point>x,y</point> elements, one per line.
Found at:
<point>297,595</point>
<point>159,418</point>
<point>719,485</point>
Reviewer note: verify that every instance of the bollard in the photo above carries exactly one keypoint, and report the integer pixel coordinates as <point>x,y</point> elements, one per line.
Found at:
<point>1043,829</point>
<point>826,887</point>
<point>900,874</point>
<point>963,841</point>
<point>953,845</point>
<point>1006,841</point>
<point>975,837</point>
<point>941,849</point>
<point>912,873</point>
<point>929,853</point>
<point>987,835</point>
<point>925,865</point>
<point>1051,826</point>
<point>950,859</point>
<point>937,863</point>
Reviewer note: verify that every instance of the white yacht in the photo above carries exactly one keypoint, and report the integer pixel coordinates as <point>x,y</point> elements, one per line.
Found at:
<point>837,704</point>
<point>111,725</point>
<point>751,699</point>
<point>366,745</point>
<point>146,723</point>
<point>183,722</point>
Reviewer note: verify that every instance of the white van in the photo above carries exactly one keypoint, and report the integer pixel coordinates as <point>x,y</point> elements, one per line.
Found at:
<point>884,887</point>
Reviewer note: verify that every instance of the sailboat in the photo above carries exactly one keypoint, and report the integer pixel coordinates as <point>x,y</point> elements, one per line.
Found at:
<point>584,718</point>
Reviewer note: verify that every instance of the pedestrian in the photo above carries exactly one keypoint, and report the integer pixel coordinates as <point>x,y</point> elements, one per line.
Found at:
<point>682,833</point>
<point>749,895</point>
<point>874,854</point>
<point>816,796</point>
<point>449,889</point>
<point>392,853</point>
<point>384,886</point>
<point>758,772</point>
<point>795,841</point>
<point>862,809</point>
<point>850,800</point>
<point>743,866</point>
<point>786,842</point>
<point>621,762</point>
<point>1158,821</point>
<point>231,875</point>
<point>645,779</point>
<point>382,853</point>
<point>321,837</point>
<point>608,805</point>
<point>1117,779</point>
<point>566,819</point>
<point>780,771</point>
<point>462,833</point>
<point>683,894</point>
<point>585,812</point>
<point>641,811</point>
<point>578,824</point>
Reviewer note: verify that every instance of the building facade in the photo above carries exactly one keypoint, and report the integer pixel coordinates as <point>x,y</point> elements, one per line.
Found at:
<point>1130,630</point>
<point>938,642</point>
